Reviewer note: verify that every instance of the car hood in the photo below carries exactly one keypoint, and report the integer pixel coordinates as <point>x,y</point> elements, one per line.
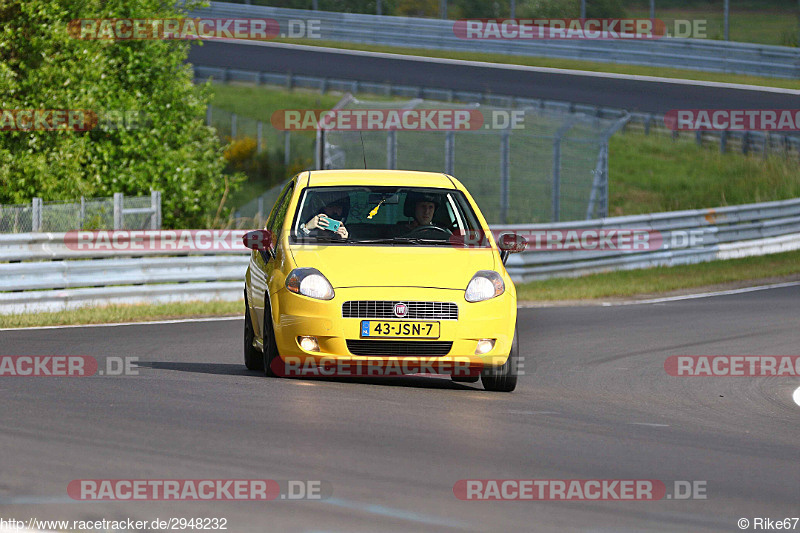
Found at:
<point>395,266</point>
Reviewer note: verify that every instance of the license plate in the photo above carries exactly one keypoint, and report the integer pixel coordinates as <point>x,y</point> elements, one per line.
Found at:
<point>411,330</point>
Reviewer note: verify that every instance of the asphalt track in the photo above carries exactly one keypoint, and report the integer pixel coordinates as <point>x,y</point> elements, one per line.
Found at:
<point>651,96</point>
<point>596,404</point>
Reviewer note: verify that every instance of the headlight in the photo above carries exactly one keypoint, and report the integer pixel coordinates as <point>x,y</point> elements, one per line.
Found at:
<point>309,282</point>
<point>484,284</point>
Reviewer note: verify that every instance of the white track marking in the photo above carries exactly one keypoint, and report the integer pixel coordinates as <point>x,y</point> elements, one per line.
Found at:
<point>704,294</point>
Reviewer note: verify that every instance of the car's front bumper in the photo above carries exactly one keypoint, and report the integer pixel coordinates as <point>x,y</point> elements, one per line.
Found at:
<point>298,316</point>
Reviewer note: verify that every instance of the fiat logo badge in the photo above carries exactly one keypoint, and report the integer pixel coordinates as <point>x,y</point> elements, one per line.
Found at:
<point>400,310</point>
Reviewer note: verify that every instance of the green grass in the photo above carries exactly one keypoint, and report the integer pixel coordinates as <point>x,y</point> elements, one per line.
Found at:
<point>123,313</point>
<point>654,173</point>
<point>653,281</point>
<point>616,68</point>
<point>763,26</point>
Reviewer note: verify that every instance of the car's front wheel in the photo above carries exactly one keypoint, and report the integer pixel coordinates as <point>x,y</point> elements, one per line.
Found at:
<point>253,359</point>
<point>503,378</point>
<point>270,346</point>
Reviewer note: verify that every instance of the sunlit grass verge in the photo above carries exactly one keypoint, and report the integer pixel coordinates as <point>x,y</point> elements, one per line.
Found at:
<point>660,280</point>
<point>124,313</point>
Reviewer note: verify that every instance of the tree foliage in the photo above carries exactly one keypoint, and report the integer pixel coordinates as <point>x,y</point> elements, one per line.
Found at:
<point>171,150</point>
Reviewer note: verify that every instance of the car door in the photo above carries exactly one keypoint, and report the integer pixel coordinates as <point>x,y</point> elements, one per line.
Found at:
<point>262,263</point>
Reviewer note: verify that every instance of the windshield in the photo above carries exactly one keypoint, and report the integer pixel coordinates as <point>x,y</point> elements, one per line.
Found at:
<point>398,216</point>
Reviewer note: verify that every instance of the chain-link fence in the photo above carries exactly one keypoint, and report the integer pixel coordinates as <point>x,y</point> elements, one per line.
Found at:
<point>231,126</point>
<point>553,167</point>
<point>116,212</point>
<point>254,213</point>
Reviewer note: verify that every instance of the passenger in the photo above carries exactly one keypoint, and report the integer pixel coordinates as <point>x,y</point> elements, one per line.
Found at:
<point>336,207</point>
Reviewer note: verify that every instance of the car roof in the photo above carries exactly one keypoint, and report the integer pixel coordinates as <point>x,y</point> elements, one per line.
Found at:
<point>329,178</point>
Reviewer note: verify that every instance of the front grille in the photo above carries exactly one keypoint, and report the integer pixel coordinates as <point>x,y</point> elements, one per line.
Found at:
<point>385,309</point>
<point>398,348</point>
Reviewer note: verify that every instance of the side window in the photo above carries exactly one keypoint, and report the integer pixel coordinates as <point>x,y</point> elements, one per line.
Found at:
<point>275,223</point>
<point>278,214</point>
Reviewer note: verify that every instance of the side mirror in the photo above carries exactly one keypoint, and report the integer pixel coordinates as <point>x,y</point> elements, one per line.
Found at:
<point>259,239</point>
<point>510,243</point>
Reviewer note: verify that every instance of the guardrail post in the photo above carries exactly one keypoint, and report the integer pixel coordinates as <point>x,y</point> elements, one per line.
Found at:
<point>391,150</point>
<point>745,142</point>
<point>323,86</point>
<point>449,152</point>
<point>118,202</point>
<point>556,179</point>
<point>319,148</point>
<point>233,126</point>
<point>261,207</point>
<point>36,215</point>
<point>505,160</point>
<point>647,124</point>
<point>259,136</point>
<point>698,138</point>
<point>83,213</point>
<point>155,205</point>
<point>289,80</point>
<point>557,167</point>
<point>723,141</point>
<point>604,184</point>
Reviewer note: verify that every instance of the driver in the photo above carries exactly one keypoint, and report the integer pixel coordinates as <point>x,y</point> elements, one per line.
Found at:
<point>422,208</point>
<point>336,207</point>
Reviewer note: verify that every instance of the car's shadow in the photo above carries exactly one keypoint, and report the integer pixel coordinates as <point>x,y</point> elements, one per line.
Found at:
<point>230,369</point>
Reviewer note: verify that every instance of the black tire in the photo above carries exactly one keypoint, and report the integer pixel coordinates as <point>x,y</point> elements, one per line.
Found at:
<point>253,358</point>
<point>270,347</point>
<point>504,378</point>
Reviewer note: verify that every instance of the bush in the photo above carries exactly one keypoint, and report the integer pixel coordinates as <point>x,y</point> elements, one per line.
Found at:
<point>43,67</point>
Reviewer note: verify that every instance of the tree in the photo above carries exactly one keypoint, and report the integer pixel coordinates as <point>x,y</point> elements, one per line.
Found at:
<point>43,67</point>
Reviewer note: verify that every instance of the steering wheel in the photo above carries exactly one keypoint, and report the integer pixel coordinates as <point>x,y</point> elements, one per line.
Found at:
<point>422,229</point>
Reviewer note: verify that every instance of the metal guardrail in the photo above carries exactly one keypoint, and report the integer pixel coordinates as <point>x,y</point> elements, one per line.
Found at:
<point>757,142</point>
<point>719,233</point>
<point>30,283</point>
<point>697,54</point>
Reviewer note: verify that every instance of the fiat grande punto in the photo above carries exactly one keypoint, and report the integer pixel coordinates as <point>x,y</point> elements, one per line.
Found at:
<point>374,268</point>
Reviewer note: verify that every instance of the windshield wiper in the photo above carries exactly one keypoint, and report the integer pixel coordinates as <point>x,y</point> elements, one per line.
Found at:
<point>401,240</point>
<point>320,238</point>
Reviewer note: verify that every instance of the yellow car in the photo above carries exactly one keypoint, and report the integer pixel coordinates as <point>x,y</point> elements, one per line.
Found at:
<point>380,272</point>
